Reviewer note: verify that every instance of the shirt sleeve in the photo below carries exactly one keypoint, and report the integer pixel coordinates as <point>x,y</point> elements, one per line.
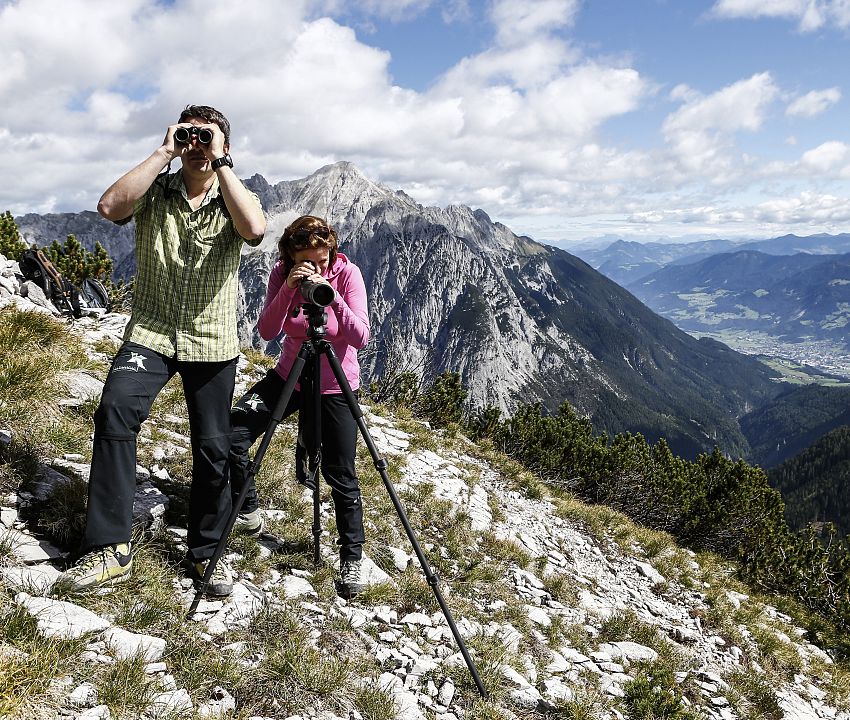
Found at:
<point>350,308</point>
<point>279,298</point>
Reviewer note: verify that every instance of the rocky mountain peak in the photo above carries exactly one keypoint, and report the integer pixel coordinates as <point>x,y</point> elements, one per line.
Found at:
<point>452,290</point>
<point>519,321</point>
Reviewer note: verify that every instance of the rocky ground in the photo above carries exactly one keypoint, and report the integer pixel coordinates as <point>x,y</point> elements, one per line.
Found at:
<point>549,621</point>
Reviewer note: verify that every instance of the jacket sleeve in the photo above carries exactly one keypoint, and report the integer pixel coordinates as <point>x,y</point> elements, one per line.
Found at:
<point>279,298</point>
<point>350,308</point>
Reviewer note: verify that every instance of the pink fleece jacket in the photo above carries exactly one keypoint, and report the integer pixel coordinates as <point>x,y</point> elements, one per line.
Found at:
<point>347,326</point>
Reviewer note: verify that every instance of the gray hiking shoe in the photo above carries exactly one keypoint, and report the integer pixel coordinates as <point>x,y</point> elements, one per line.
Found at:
<point>249,523</point>
<point>221,582</point>
<point>103,566</point>
<point>350,583</point>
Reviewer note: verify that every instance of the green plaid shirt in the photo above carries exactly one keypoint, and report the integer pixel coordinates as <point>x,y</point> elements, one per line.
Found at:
<point>187,263</point>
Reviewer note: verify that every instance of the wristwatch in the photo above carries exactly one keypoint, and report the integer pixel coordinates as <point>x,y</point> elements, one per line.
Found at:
<point>223,160</point>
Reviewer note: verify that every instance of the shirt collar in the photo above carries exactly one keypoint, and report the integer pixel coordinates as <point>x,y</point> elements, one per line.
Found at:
<point>211,195</point>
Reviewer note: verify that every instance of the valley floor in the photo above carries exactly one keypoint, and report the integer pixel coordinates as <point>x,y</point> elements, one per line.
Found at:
<point>828,357</point>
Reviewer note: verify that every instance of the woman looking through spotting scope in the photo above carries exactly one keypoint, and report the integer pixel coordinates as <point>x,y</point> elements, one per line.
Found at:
<point>309,265</point>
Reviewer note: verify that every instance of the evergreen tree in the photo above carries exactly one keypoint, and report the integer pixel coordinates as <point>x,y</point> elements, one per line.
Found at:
<point>442,403</point>
<point>76,263</point>
<point>11,244</point>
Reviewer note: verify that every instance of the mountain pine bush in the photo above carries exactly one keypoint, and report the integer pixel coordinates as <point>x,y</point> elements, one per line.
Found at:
<point>11,244</point>
<point>711,503</point>
<point>76,263</point>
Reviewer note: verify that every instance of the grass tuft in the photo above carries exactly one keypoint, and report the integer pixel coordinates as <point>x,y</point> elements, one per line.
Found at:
<point>29,662</point>
<point>373,703</point>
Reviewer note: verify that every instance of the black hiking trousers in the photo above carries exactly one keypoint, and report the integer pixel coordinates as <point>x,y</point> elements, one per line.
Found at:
<point>137,376</point>
<point>250,418</point>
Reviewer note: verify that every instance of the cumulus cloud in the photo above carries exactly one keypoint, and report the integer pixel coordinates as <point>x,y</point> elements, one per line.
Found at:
<point>809,14</point>
<point>828,157</point>
<point>817,212</point>
<point>517,22</point>
<point>701,132</point>
<point>814,102</point>
<point>518,128</point>
<point>826,210</point>
<point>112,76</point>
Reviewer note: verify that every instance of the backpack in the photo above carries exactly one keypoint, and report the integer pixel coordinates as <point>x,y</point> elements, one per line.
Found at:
<point>93,294</point>
<point>36,266</point>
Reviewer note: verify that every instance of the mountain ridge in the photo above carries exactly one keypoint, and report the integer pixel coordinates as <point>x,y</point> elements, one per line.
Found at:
<point>627,261</point>
<point>521,322</point>
<point>794,298</point>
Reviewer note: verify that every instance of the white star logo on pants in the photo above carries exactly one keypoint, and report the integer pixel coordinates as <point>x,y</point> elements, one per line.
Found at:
<point>138,360</point>
<point>253,401</point>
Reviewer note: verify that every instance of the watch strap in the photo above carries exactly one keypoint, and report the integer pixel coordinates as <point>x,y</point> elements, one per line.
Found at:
<point>223,160</point>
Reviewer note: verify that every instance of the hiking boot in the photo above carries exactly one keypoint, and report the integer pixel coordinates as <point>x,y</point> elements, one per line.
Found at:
<point>103,566</point>
<point>249,523</point>
<point>350,583</point>
<point>221,582</point>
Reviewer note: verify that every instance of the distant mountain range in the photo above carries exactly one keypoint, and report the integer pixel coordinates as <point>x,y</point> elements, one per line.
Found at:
<point>626,262</point>
<point>795,298</point>
<point>520,321</point>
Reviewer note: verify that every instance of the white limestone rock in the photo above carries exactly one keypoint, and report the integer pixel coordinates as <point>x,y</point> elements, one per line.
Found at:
<point>221,704</point>
<point>101,712</point>
<point>125,645</point>
<point>60,619</point>
<point>28,549</point>
<point>83,696</point>
<point>172,703</point>
<point>31,579</point>
<point>80,386</point>
<point>293,587</point>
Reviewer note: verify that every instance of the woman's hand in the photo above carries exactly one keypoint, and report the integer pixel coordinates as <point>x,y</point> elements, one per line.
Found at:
<point>305,270</point>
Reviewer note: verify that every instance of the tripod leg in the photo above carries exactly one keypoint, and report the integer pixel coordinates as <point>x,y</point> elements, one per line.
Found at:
<point>381,465</point>
<point>276,417</point>
<point>314,453</point>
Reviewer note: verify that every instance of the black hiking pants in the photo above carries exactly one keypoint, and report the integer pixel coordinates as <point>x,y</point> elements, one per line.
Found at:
<point>135,379</point>
<point>250,418</point>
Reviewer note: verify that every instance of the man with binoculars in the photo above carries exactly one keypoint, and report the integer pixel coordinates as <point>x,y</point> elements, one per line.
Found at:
<point>190,226</point>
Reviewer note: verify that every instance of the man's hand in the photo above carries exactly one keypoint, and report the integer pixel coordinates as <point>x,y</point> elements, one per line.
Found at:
<point>215,148</point>
<point>170,147</point>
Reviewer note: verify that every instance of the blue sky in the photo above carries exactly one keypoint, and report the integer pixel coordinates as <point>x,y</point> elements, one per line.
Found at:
<point>566,120</point>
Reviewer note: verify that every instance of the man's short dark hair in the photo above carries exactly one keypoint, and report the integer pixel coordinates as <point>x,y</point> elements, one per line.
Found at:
<point>207,114</point>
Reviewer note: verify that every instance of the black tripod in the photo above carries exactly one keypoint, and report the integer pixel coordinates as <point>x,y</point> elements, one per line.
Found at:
<point>313,347</point>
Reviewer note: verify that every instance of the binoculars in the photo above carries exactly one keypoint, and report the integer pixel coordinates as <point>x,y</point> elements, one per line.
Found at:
<point>184,135</point>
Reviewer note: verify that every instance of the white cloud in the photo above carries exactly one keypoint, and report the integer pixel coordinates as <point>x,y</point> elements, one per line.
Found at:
<point>827,157</point>
<point>701,132</point>
<point>300,91</point>
<point>815,209</point>
<point>517,22</point>
<point>814,102</point>
<point>740,106</point>
<point>519,128</point>
<point>809,14</point>
<point>808,212</point>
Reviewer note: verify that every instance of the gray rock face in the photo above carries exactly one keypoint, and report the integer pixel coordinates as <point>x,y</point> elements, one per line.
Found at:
<point>451,290</point>
<point>88,227</point>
